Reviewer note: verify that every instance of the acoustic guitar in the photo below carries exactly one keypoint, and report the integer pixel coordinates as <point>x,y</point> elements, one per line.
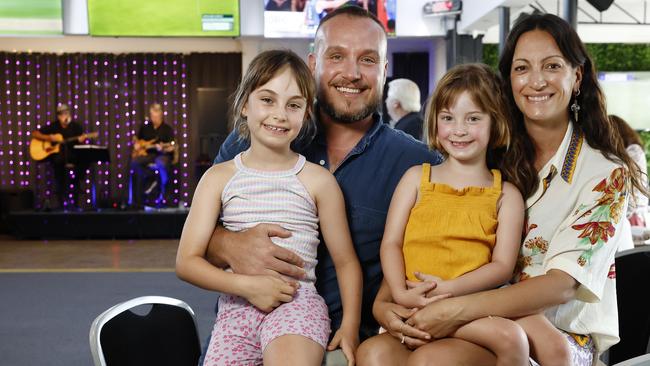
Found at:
<point>143,147</point>
<point>40,149</point>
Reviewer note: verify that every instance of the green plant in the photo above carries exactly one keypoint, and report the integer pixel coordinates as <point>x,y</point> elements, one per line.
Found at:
<point>606,56</point>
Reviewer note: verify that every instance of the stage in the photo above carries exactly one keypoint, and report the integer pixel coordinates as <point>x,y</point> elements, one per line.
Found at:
<point>101,224</point>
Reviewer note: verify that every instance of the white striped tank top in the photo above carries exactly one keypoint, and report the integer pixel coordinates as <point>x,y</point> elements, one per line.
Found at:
<point>254,197</point>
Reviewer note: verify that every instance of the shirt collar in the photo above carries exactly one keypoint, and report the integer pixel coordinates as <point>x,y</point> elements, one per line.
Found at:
<point>563,162</point>
<point>565,158</point>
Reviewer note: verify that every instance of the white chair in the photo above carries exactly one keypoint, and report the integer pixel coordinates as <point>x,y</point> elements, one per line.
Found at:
<point>643,360</point>
<point>165,335</point>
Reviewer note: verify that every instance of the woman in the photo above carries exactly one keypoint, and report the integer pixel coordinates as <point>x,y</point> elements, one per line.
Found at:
<point>575,177</point>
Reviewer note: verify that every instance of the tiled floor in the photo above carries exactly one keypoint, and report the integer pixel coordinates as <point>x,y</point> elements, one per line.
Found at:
<point>86,255</point>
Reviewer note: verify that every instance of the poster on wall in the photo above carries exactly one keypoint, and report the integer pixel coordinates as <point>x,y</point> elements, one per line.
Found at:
<point>30,17</point>
<point>164,18</point>
<point>300,18</point>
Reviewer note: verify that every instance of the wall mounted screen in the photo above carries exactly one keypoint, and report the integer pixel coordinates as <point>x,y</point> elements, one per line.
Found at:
<point>300,18</point>
<point>30,17</point>
<point>164,18</point>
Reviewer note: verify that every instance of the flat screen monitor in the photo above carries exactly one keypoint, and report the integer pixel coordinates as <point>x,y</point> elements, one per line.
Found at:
<point>300,18</point>
<point>164,18</point>
<point>30,17</point>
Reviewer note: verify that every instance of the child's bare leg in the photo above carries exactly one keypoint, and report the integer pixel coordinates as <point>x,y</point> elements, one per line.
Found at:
<point>383,349</point>
<point>293,349</point>
<point>450,351</point>
<point>548,346</point>
<point>505,338</point>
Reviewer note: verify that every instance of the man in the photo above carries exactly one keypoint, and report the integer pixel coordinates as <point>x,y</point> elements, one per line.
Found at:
<point>403,106</point>
<point>153,144</point>
<point>65,133</point>
<point>366,156</point>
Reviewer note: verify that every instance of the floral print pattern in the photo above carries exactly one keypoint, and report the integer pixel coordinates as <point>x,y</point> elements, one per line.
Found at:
<point>607,212</point>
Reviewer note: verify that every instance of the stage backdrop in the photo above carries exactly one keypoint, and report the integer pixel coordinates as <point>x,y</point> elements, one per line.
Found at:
<point>108,94</point>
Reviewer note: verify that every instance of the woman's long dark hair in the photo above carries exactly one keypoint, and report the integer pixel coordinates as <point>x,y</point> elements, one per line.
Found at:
<point>600,133</point>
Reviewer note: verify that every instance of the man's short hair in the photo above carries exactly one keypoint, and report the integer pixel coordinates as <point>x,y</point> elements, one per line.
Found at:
<point>353,11</point>
<point>62,108</point>
<point>406,93</point>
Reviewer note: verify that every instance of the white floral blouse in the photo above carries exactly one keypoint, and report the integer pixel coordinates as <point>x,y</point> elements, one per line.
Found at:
<point>573,224</point>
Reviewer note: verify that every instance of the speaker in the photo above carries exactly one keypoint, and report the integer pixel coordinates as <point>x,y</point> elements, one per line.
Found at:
<point>14,200</point>
<point>601,5</point>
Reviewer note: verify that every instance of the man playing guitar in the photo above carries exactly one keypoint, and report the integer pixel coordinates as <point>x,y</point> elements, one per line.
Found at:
<point>153,144</point>
<point>62,135</point>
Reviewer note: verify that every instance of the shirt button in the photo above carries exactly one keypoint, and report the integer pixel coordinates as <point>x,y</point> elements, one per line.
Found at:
<point>322,162</point>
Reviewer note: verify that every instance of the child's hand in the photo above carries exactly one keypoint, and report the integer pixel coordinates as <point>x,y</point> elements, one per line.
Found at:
<point>416,294</point>
<point>268,292</point>
<point>347,339</point>
<point>441,287</point>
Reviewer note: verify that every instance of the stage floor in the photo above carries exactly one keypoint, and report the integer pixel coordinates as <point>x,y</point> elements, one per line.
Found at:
<point>105,224</point>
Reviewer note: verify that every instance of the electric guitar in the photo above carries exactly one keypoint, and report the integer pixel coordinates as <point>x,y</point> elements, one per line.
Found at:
<point>41,149</point>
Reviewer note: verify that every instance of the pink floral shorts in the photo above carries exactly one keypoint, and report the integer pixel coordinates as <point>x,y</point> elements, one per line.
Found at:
<point>242,332</point>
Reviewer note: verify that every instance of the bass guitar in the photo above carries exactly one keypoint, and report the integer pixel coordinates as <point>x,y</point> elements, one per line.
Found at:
<point>41,149</point>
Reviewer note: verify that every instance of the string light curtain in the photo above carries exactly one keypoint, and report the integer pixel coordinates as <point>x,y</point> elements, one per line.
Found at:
<point>108,94</point>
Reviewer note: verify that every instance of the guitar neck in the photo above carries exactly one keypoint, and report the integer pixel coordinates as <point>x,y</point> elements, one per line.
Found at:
<point>83,135</point>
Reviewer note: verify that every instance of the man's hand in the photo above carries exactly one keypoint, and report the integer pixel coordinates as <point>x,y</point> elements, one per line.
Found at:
<point>268,292</point>
<point>252,252</point>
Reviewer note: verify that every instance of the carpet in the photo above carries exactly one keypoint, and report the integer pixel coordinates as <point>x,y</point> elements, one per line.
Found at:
<point>45,318</point>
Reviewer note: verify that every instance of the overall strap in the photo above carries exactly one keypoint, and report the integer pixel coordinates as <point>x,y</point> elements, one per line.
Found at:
<point>497,179</point>
<point>426,173</point>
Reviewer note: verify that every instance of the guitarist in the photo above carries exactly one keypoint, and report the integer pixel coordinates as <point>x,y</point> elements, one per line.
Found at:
<point>64,129</point>
<point>154,144</point>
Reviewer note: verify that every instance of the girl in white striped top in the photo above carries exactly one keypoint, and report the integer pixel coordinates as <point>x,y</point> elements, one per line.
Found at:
<point>270,319</point>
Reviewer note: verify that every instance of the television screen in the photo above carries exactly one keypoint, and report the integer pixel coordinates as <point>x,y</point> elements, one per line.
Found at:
<point>30,17</point>
<point>300,18</point>
<point>181,18</point>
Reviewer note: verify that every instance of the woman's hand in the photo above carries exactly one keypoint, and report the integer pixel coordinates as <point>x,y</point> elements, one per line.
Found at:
<point>347,338</point>
<point>439,319</point>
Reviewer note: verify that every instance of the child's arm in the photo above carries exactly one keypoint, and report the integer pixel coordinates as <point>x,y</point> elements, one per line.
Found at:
<point>336,234</point>
<point>265,292</point>
<point>392,257</point>
<point>504,256</point>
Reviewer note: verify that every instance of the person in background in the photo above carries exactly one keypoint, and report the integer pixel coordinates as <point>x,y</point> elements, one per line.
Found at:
<point>366,156</point>
<point>575,176</point>
<point>403,106</point>
<point>67,133</point>
<point>638,203</point>
<point>152,145</point>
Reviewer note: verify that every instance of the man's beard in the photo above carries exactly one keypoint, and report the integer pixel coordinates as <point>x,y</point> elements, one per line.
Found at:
<point>344,116</point>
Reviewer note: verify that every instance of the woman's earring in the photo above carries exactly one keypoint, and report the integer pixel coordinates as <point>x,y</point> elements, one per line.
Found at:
<point>575,108</point>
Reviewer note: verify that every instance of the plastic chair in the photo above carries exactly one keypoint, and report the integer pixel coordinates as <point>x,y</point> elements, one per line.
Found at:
<point>632,286</point>
<point>643,360</point>
<point>166,335</point>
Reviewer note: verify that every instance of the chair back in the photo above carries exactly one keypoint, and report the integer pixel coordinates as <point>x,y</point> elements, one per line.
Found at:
<point>632,286</point>
<point>166,335</point>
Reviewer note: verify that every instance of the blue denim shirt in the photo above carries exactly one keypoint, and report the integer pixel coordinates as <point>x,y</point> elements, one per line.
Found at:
<point>367,176</point>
